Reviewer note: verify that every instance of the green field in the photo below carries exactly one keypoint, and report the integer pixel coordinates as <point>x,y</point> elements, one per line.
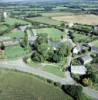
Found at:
<point>94,43</point>
<point>53,33</point>
<point>15,51</point>
<point>21,86</point>
<point>3,28</point>
<point>14,34</point>
<point>45,20</point>
<point>53,14</point>
<point>13,21</point>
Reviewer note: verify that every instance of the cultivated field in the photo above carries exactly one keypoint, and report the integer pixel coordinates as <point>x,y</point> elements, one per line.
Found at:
<point>21,86</point>
<point>83,19</point>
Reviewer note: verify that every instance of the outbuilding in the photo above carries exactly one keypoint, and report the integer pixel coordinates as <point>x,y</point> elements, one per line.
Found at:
<point>78,69</point>
<point>86,59</point>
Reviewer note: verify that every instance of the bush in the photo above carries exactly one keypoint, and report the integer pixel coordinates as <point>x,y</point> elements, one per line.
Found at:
<point>76,77</point>
<point>73,91</point>
<point>87,82</point>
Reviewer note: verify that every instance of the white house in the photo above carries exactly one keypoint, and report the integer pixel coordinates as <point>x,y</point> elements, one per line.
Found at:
<point>76,50</point>
<point>5,14</point>
<point>78,69</point>
<point>71,24</point>
<point>86,59</point>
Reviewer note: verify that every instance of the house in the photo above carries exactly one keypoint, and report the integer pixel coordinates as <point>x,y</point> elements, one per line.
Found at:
<point>78,69</point>
<point>86,59</point>
<point>71,24</point>
<point>75,50</point>
<point>79,48</point>
<point>94,49</point>
<point>53,44</point>
<point>95,28</point>
<point>5,14</point>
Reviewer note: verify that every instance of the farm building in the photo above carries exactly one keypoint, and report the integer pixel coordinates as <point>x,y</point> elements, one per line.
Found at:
<point>53,44</point>
<point>86,59</point>
<point>75,50</point>
<point>94,49</point>
<point>80,47</point>
<point>78,69</point>
<point>95,28</point>
<point>5,14</point>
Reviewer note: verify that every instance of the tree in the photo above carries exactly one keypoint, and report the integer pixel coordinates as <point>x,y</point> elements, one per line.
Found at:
<point>2,46</point>
<point>62,50</point>
<point>25,40</point>
<point>56,57</point>
<point>42,38</point>
<point>43,50</point>
<point>74,91</point>
<point>2,19</point>
<point>37,57</point>
<point>63,25</point>
<point>50,55</point>
<point>87,81</point>
<point>41,47</point>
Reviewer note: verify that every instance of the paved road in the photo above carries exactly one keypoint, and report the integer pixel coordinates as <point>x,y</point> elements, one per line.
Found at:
<point>90,92</point>
<point>21,66</point>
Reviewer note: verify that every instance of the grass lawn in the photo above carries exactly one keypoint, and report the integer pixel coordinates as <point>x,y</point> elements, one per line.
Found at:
<point>3,28</point>
<point>35,64</point>
<point>54,70</point>
<point>15,51</point>
<point>14,34</point>
<point>45,20</point>
<point>48,67</point>
<point>53,33</point>
<point>21,86</point>
<point>94,43</point>
<point>13,21</point>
